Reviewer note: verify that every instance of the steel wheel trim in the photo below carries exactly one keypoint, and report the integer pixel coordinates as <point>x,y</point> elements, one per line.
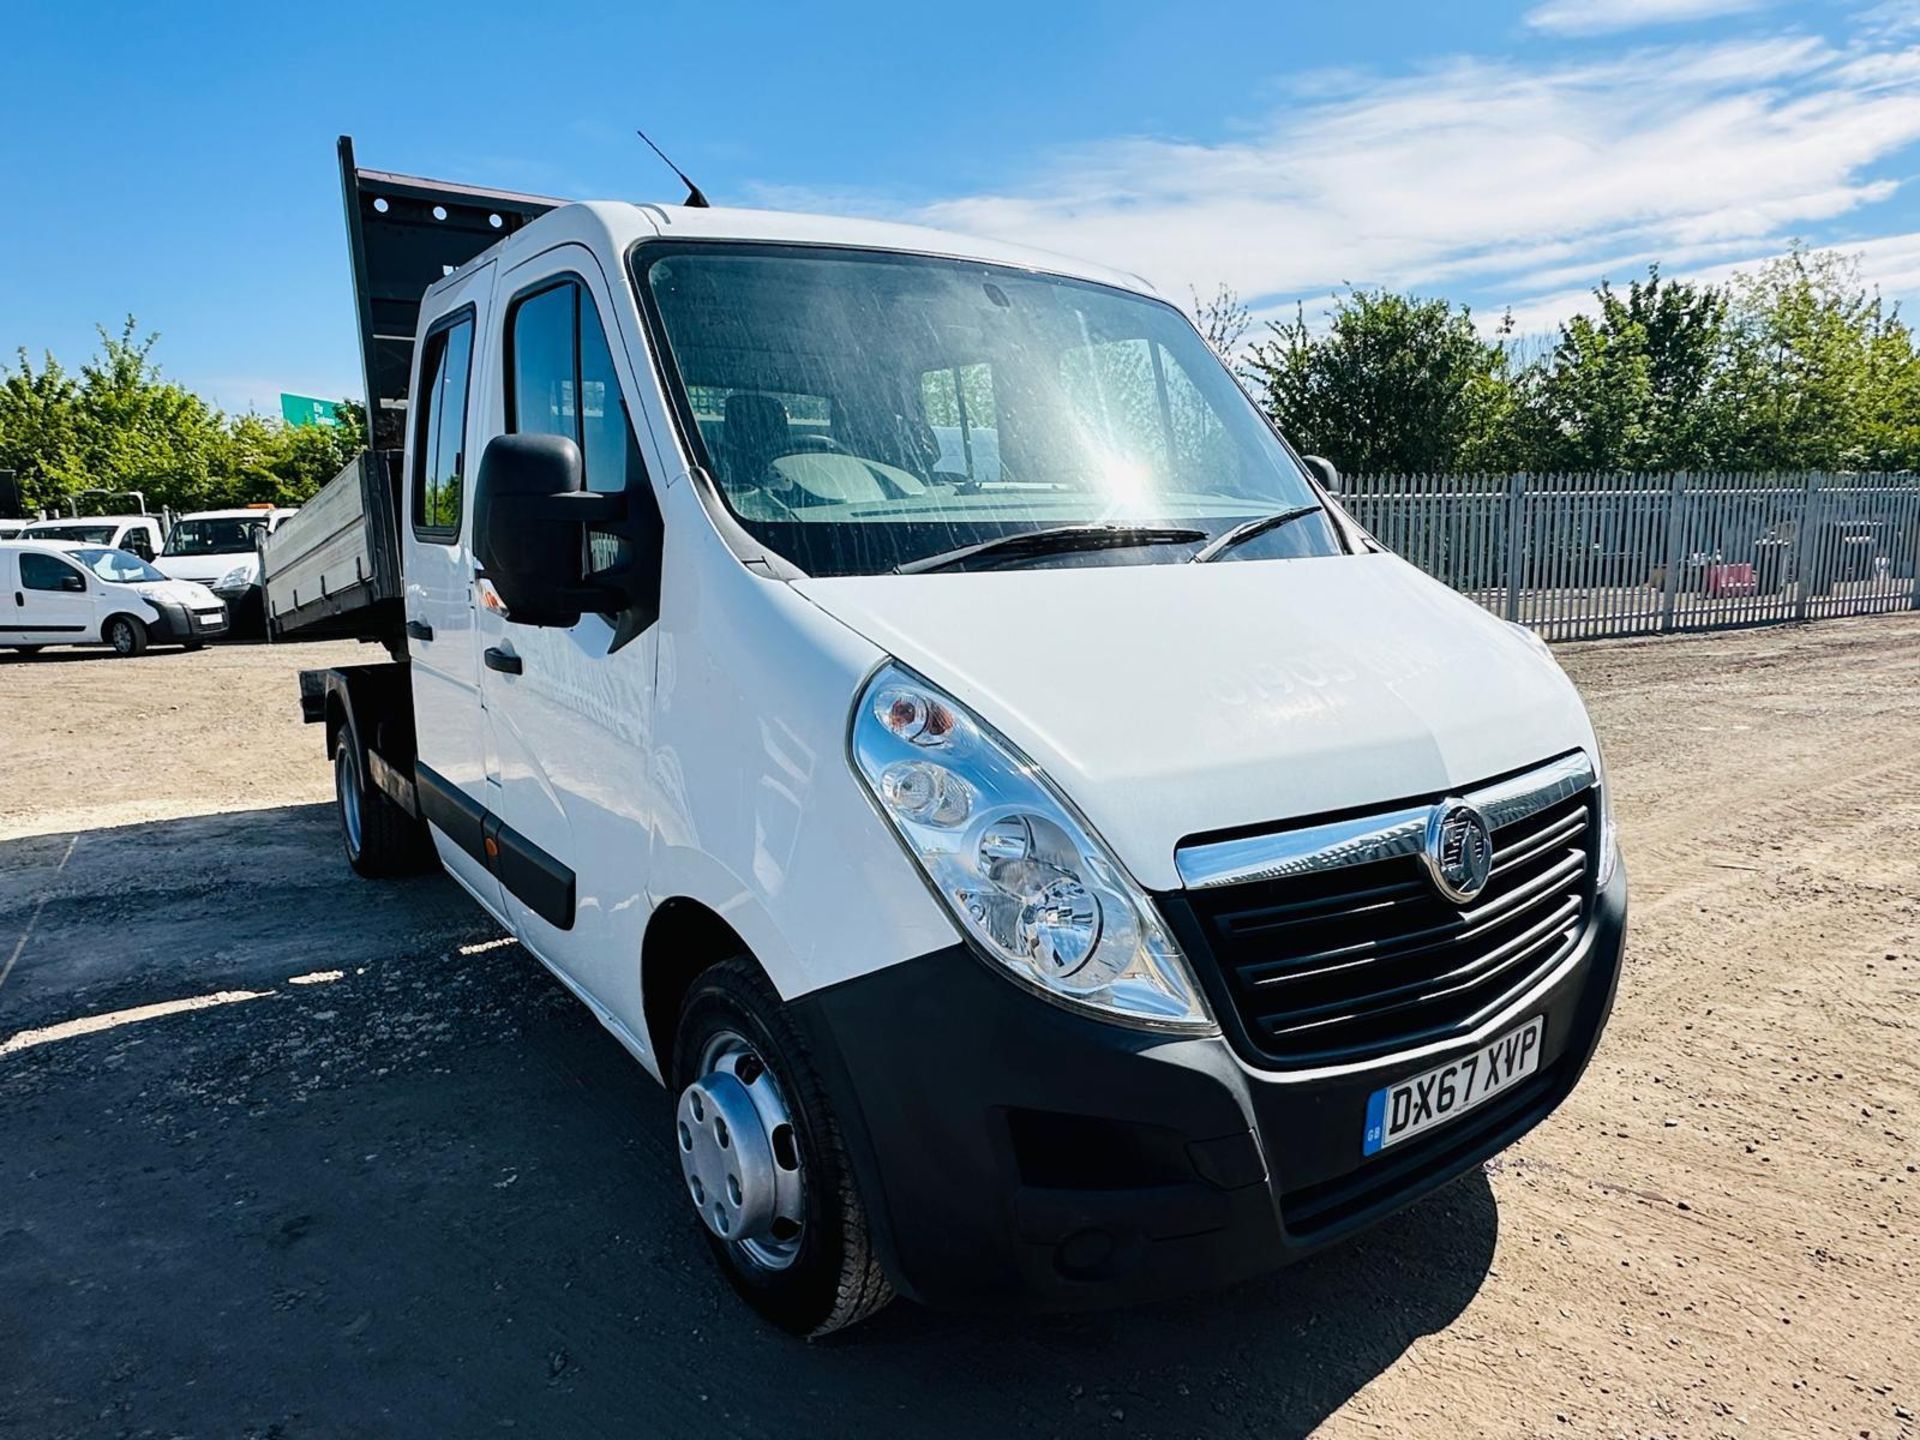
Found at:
<point>347,783</point>
<point>740,1154</point>
<point>122,637</point>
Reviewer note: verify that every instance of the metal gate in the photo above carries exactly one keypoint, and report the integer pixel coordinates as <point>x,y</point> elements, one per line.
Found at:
<point>1578,556</point>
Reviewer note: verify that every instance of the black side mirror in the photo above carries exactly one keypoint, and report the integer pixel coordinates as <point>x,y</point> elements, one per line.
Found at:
<point>530,518</point>
<point>76,583</point>
<point>1324,471</point>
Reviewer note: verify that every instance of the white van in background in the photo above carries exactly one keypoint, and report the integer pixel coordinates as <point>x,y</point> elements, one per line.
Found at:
<point>53,594</point>
<point>219,549</point>
<point>136,534</point>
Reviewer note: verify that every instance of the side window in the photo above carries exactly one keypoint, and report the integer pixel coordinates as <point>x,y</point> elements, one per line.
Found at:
<point>43,572</point>
<point>439,461</point>
<point>541,336</point>
<point>606,436</point>
<point>564,383</point>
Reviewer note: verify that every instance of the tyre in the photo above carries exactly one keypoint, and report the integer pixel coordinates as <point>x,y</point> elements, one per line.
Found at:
<point>191,645</point>
<point>126,635</point>
<point>763,1160</point>
<point>26,649</point>
<point>379,837</point>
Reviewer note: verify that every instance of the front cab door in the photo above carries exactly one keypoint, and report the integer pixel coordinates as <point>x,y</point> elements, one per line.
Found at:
<point>53,602</point>
<point>572,709</point>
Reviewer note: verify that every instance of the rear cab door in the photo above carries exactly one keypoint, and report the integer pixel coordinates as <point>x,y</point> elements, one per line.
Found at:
<point>444,436</point>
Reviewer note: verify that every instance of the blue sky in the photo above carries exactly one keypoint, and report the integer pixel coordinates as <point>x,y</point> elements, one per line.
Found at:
<point>181,168</point>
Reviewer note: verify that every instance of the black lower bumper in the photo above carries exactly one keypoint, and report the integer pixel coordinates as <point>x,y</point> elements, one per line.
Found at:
<point>246,609</point>
<point>179,625</point>
<point>1015,1154</point>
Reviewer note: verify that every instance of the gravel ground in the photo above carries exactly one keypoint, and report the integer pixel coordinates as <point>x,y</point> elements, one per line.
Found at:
<point>397,1182</point>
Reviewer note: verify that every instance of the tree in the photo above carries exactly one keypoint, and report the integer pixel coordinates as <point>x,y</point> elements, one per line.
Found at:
<point>1223,320</point>
<point>1817,370</point>
<point>1396,384</point>
<point>120,425</point>
<point>1889,420</point>
<point>39,420</point>
<point>138,431</point>
<point>264,460</point>
<point>1628,388</point>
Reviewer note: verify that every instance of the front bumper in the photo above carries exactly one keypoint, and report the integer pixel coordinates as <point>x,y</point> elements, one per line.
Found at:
<point>246,607</point>
<point>180,624</point>
<point>1016,1154</point>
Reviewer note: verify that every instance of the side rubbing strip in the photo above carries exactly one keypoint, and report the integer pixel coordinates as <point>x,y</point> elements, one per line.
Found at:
<point>537,880</point>
<point>530,874</point>
<point>452,811</point>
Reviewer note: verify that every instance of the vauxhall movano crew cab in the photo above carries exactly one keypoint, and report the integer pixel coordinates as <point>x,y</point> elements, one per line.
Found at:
<point>902,685</point>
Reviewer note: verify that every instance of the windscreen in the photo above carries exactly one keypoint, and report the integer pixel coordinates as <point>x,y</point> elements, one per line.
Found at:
<point>72,534</point>
<point>118,565</point>
<point>861,410</point>
<point>214,536</point>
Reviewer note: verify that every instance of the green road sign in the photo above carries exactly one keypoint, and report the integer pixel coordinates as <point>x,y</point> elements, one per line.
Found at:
<point>306,410</point>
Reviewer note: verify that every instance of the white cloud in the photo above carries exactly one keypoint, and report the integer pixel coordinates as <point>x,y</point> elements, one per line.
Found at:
<point>1598,17</point>
<point>1518,184</point>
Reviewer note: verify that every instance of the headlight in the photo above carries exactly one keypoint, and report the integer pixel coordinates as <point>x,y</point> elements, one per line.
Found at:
<point>238,578</point>
<point>1023,874</point>
<point>1609,835</point>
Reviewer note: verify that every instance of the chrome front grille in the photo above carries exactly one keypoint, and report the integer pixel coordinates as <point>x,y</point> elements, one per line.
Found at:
<point>1333,944</point>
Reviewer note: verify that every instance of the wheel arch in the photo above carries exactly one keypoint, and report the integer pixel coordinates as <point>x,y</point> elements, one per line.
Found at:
<point>684,938</point>
<point>106,622</point>
<point>336,718</point>
<point>373,703</point>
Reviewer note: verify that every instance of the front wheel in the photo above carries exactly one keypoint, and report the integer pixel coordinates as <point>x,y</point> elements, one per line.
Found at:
<point>126,635</point>
<point>763,1160</point>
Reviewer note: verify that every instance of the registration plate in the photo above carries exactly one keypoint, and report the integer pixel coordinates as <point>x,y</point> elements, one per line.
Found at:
<point>1422,1102</point>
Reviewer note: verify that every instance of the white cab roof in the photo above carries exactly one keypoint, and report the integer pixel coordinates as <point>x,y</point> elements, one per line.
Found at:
<point>610,226</point>
<point>243,512</point>
<point>93,520</point>
<point>48,547</point>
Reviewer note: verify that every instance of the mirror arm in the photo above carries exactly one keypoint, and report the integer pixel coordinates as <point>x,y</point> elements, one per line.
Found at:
<point>610,590</point>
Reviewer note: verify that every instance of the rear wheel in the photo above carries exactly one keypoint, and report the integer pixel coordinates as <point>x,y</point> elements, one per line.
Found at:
<point>379,837</point>
<point>25,649</point>
<point>126,635</point>
<point>763,1160</point>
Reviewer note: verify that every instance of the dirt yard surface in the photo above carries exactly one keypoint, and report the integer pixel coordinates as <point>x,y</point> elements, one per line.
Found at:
<point>388,1178</point>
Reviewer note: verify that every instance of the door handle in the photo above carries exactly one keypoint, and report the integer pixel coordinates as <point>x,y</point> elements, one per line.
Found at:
<point>419,630</point>
<point>18,598</point>
<point>505,661</point>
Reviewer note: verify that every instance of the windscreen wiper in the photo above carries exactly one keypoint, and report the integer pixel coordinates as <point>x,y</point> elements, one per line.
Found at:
<point>1246,530</point>
<point>1055,540</point>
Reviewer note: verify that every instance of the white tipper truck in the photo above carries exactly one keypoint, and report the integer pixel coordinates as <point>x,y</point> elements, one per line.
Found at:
<point>905,688</point>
